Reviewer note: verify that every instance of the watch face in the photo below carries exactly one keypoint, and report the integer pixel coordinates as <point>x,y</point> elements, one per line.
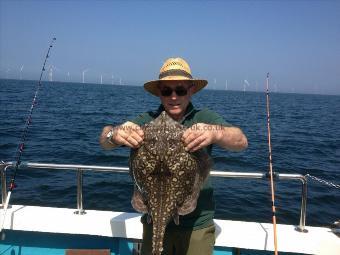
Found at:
<point>109,134</point>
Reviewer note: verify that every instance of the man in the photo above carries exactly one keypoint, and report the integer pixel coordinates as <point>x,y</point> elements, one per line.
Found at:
<point>195,234</point>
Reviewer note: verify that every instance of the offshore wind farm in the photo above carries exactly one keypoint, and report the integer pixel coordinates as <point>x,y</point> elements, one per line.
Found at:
<point>234,42</point>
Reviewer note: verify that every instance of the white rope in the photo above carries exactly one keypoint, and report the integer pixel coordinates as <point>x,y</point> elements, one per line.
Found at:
<point>328,183</point>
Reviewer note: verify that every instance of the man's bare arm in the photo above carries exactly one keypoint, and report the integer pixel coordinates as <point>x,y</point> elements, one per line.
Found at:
<point>201,135</point>
<point>231,138</point>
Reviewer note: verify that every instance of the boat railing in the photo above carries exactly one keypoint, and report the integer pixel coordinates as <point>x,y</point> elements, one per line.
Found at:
<point>81,168</point>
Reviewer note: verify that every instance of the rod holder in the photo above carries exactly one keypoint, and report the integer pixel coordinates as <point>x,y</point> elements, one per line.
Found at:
<point>80,209</point>
<point>3,168</point>
<point>301,227</point>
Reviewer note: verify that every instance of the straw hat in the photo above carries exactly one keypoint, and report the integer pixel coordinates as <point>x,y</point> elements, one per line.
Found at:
<point>174,69</point>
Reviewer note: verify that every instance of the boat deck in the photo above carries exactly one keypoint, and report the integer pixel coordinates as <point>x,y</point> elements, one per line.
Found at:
<point>126,229</point>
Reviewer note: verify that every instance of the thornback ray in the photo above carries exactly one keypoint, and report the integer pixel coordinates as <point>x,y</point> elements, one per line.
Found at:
<point>168,179</point>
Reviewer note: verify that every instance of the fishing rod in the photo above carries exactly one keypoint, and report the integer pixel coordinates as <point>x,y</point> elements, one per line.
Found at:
<point>21,146</point>
<point>271,175</point>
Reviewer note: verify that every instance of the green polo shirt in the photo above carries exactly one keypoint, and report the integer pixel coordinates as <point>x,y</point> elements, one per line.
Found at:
<point>203,215</point>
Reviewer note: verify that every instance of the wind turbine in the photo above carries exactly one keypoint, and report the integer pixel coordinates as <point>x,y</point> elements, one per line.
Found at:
<point>22,67</point>
<point>51,68</point>
<point>112,78</point>
<point>101,79</point>
<point>226,84</point>
<point>120,81</point>
<point>84,71</point>
<point>50,73</point>
<point>245,83</point>
<point>7,71</point>
<point>214,83</point>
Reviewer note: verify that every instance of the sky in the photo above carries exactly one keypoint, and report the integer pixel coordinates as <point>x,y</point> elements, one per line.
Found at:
<point>229,43</point>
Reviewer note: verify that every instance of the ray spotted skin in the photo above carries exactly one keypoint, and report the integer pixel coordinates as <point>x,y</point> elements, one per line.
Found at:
<point>167,178</point>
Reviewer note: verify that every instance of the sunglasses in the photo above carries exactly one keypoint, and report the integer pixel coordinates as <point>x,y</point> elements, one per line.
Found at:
<point>179,90</point>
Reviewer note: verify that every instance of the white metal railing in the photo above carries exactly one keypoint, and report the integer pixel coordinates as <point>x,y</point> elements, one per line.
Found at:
<point>81,168</point>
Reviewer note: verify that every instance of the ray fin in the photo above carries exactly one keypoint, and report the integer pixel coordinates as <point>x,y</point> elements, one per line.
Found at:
<point>138,202</point>
<point>190,203</point>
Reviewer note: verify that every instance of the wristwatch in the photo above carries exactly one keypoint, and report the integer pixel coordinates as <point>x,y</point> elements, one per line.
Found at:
<point>109,137</point>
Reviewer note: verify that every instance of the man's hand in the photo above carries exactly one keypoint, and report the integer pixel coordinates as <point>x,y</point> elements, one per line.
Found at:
<point>128,134</point>
<point>201,135</point>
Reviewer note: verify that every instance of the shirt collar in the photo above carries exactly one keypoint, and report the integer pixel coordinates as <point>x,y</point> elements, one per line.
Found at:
<point>188,111</point>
